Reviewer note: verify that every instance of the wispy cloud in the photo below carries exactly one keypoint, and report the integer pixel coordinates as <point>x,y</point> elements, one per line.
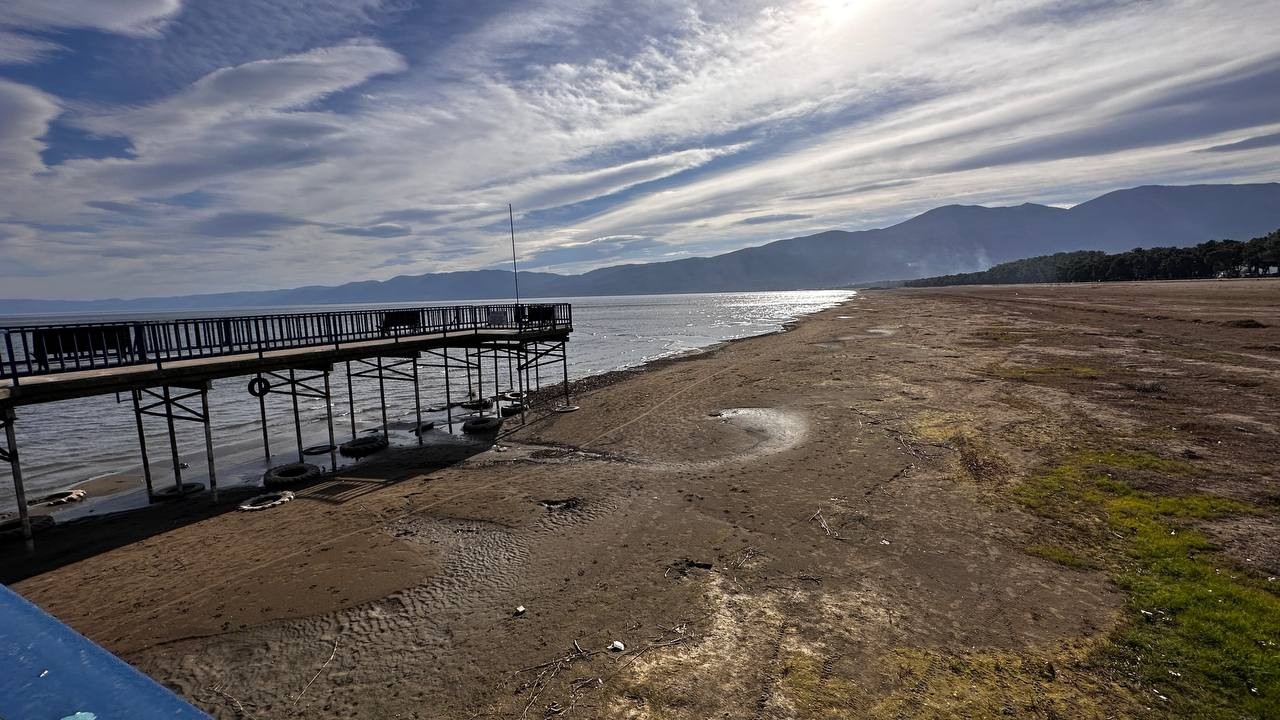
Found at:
<point>273,141</point>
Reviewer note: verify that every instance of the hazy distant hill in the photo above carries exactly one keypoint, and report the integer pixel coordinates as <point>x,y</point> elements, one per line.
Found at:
<point>949,239</point>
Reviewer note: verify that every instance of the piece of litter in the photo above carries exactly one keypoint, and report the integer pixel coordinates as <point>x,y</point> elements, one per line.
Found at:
<point>884,542</point>
<point>43,673</point>
<point>1148,613</point>
<point>519,610</point>
<point>499,448</point>
<point>617,646</point>
<point>1175,674</point>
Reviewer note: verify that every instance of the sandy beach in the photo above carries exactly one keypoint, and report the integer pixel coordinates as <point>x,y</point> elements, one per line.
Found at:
<point>841,520</point>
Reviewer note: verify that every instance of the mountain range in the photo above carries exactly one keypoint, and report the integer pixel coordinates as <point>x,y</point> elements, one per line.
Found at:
<point>948,239</point>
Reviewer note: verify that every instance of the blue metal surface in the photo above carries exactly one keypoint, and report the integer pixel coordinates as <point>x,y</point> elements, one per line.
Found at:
<point>50,672</point>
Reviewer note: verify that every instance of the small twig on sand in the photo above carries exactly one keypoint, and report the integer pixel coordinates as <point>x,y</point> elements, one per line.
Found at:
<point>745,557</point>
<point>239,705</point>
<point>322,667</point>
<point>578,653</point>
<point>539,684</point>
<point>823,522</point>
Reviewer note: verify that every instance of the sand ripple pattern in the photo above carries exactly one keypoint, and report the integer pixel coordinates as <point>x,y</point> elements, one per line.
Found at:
<point>394,644</point>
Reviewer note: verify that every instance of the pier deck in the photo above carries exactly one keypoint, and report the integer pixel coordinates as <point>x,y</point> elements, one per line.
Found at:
<point>186,372</point>
<point>166,366</point>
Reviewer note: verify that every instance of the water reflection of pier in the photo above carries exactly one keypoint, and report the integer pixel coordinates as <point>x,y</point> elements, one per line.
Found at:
<point>166,367</point>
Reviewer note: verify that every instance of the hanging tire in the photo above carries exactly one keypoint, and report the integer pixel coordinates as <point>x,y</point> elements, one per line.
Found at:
<point>290,474</point>
<point>509,410</point>
<point>481,426</point>
<point>11,529</point>
<point>172,492</point>
<point>513,396</point>
<point>363,446</point>
<point>318,450</point>
<point>266,500</point>
<point>481,404</point>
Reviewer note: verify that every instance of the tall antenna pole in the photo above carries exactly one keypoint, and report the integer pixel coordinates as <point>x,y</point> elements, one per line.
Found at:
<point>515,273</point>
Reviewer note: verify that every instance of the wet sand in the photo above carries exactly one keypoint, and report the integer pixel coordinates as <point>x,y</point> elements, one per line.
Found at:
<point>99,487</point>
<point>847,482</point>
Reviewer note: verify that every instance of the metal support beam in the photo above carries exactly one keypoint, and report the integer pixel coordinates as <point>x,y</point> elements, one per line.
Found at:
<point>173,440</point>
<point>564,363</point>
<point>382,399</point>
<point>448,400</point>
<point>10,453</point>
<point>417,400</point>
<point>142,444</point>
<point>173,407</point>
<point>297,416</point>
<point>351,402</point>
<point>208,443</point>
<point>328,411</point>
<point>262,412</point>
<point>306,382</point>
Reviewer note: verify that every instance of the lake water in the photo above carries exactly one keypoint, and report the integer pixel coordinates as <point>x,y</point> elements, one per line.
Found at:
<point>65,443</point>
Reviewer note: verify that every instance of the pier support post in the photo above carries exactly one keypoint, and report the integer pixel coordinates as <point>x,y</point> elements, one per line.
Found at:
<point>302,382</point>
<point>448,400</point>
<point>142,444</point>
<point>382,399</point>
<point>417,400</point>
<point>208,442</point>
<point>262,413</point>
<point>480,378</point>
<point>10,453</point>
<point>173,407</point>
<point>521,371</point>
<point>351,402</point>
<point>173,440</point>
<point>297,416</point>
<point>564,363</point>
<point>497,389</point>
<point>328,411</point>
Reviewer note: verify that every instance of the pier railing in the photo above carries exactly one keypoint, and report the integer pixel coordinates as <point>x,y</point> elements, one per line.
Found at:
<point>31,350</point>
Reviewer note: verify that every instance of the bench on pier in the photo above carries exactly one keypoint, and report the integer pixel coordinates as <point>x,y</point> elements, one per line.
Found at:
<point>73,343</point>
<point>394,321</point>
<point>540,314</point>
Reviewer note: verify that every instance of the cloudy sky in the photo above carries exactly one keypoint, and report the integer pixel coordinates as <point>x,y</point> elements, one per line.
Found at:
<point>177,146</point>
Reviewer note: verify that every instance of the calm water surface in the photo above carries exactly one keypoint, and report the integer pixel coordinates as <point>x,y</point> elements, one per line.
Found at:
<point>69,442</point>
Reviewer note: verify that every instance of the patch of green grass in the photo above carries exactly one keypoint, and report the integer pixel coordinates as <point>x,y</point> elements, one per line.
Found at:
<point>1062,556</point>
<point>1201,632</point>
<point>1028,374</point>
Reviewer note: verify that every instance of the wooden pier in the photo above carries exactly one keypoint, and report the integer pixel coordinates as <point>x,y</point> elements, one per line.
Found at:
<point>167,365</point>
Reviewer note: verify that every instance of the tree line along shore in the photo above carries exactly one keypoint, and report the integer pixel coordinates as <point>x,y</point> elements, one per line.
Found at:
<point>1259,257</point>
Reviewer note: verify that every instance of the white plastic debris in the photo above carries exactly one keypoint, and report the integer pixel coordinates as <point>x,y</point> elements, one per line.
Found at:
<point>884,542</point>
<point>617,646</point>
<point>519,610</point>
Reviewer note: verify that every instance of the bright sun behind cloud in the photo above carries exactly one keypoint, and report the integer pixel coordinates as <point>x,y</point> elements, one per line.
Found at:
<point>357,133</point>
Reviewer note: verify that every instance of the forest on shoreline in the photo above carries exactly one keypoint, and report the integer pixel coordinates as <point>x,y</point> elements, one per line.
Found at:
<point>1259,257</point>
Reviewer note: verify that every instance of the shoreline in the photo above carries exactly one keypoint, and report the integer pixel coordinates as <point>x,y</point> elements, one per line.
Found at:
<point>111,487</point>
